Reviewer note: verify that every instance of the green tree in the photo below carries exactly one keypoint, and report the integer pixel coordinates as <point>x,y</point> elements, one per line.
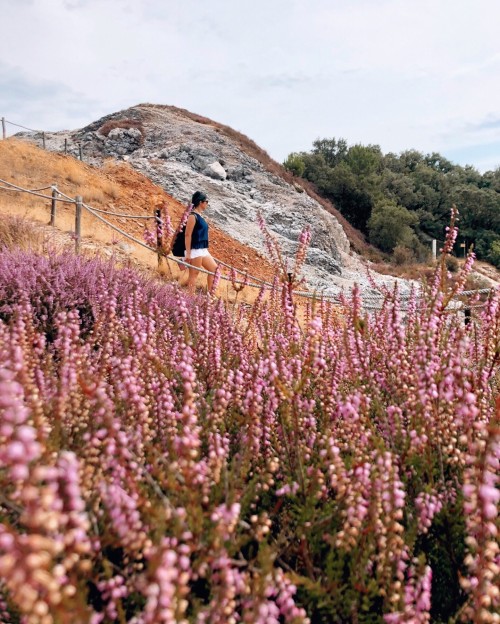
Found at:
<point>352,195</point>
<point>418,189</point>
<point>439,163</point>
<point>391,225</point>
<point>410,159</point>
<point>295,163</point>
<point>491,179</point>
<point>333,151</point>
<point>494,253</point>
<point>364,161</point>
<point>399,188</point>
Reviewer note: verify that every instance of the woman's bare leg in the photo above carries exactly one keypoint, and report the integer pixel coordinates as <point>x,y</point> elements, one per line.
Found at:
<point>193,272</point>
<point>210,265</point>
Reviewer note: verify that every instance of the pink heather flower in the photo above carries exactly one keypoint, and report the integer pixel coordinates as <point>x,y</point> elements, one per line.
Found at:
<point>226,519</point>
<point>150,238</point>
<point>481,496</point>
<point>288,489</point>
<point>112,590</point>
<point>417,599</point>
<point>18,441</point>
<point>125,402</point>
<point>427,506</point>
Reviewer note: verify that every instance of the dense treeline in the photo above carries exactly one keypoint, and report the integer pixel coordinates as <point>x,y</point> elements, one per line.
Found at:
<point>402,202</point>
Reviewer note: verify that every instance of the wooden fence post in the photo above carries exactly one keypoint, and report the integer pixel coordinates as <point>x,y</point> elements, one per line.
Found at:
<point>80,151</point>
<point>43,139</point>
<point>53,206</point>
<point>78,223</point>
<point>4,132</point>
<point>65,146</point>
<point>158,232</point>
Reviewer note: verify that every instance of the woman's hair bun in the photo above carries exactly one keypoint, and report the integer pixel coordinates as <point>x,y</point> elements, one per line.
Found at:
<point>197,198</point>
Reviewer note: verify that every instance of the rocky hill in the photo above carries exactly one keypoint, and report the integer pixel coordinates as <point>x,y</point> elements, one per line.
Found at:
<point>182,152</point>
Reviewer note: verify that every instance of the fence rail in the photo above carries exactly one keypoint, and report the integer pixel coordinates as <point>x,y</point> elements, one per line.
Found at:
<point>77,145</point>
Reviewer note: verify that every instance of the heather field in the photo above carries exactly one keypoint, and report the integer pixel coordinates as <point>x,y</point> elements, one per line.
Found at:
<point>172,459</point>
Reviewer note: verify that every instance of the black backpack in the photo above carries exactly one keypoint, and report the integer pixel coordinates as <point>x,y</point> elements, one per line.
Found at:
<point>179,246</point>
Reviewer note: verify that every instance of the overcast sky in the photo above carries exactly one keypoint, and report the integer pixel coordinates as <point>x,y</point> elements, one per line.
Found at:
<point>402,74</point>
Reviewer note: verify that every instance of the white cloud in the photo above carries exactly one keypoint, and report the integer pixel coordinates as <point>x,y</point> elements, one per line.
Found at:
<point>399,73</point>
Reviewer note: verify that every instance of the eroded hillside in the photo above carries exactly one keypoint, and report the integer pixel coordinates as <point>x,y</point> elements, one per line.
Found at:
<point>182,152</point>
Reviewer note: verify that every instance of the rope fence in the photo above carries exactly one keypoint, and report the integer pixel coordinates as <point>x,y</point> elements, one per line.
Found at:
<point>63,195</point>
<point>19,189</point>
<point>79,206</point>
<point>77,145</point>
<point>6,121</point>
<point>44,188</point>
<point>163,255</point>
<point>118,214</point>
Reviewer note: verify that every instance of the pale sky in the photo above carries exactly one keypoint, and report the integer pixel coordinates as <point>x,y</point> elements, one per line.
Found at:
<point>402,74</point>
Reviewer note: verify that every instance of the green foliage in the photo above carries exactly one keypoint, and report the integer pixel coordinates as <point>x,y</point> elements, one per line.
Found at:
<point>360,180</point>
<point>391,225</point>
<point>444,549</point>
<point>364,161</point>
<point>333,151</point>
<point>295,163</point>
<point>494,253</point>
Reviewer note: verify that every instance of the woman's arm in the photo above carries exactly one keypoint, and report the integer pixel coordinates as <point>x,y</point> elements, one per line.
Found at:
<point>188,235</point>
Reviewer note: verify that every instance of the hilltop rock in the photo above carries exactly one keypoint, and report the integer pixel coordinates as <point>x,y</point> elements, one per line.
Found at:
<point>121,141</point>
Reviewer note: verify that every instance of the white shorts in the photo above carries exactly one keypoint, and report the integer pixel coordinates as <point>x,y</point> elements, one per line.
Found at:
<point>198,253</point>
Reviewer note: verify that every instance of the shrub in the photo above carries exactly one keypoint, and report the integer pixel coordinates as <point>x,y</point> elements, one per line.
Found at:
<point>403,255</point>
<point>452,264</point>
<point>295,164</point>
<point>16,232</point>
<point>494,253</point>
<point>391,225</point>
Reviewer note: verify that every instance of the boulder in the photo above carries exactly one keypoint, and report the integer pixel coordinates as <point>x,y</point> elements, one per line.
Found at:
<point>215,170</point>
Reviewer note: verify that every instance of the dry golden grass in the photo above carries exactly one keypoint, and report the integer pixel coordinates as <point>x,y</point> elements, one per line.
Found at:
<point>30,167</point>
<point>418,271</point>
<point>16,232</point>
<point>413,271</point>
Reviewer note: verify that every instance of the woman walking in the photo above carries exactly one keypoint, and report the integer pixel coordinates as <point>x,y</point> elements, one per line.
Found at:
<point>196,242</point>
